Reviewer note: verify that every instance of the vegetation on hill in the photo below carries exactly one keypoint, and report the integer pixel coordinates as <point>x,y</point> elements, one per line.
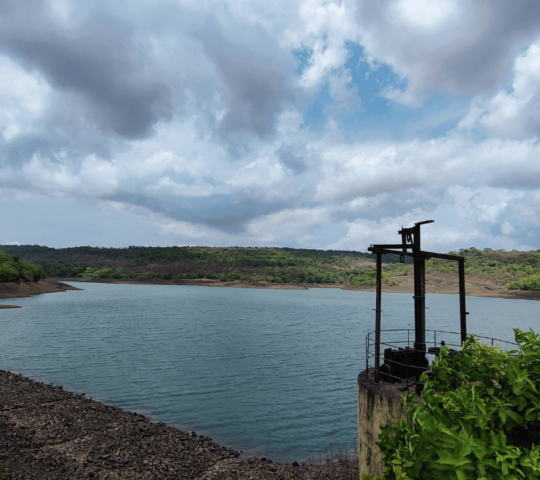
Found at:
<point>518,270</point>
<point>14,269</point>
<point>276,265</point>
<point>480,417</point>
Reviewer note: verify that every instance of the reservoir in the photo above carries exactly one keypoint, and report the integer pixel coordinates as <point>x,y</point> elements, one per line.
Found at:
<point>269,372</point>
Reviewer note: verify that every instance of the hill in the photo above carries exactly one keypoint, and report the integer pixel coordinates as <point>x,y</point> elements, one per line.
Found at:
<point>486,268</point>
<point>274,265</point>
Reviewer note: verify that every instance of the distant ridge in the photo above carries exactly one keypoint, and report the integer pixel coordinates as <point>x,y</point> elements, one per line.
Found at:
<point>495,268</point>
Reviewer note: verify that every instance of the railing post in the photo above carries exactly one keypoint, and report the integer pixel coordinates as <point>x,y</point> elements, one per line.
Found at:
<point>462,307</point>
<point>378,318</point>
<point>367,353</point>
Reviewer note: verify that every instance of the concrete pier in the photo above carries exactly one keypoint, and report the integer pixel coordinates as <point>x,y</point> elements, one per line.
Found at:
<point>378,405</point>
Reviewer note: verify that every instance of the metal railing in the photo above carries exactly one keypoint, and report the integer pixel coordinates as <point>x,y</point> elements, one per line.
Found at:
<point>396,339</point>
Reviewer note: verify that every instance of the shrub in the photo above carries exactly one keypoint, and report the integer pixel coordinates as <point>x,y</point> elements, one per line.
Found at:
<point>231,277</point>
<point>480,417</point>
<point>14,269</point>
<point>31,272</point>
<point>527,283</point>
<point>8,273</point>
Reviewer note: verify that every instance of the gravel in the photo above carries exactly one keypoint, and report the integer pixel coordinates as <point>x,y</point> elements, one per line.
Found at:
<point>49,433</point>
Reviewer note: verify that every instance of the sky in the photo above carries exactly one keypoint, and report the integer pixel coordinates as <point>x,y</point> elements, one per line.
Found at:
<point>305,124</point>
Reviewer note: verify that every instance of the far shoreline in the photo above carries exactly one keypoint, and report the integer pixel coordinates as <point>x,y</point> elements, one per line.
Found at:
<point>474,288</point>
<point>434,284</point>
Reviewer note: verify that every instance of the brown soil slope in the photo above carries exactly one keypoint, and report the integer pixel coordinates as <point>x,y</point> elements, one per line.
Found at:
<point>28,289</point>
<point>447,283</point>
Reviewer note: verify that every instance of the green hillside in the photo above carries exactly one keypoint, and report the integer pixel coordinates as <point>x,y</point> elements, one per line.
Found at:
<point>516,269</point>
<point>277,265</point>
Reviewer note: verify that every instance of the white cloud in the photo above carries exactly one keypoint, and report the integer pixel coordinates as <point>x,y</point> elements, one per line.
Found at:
<point>424,13</point>
<point>289,223</point>
<point>24,97</point>
<point>459,47</point>
<point>327,26</point>
<point>61,9</point>
<point>506,228</point>
<point>208,142</point>
<point>514,113</point>
<point>262,177</point>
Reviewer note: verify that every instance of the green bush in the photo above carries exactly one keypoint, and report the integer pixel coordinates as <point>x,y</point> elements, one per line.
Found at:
<point>527,283</point>
<point>14,269</point>
<point>8,273</point>
<point>31,272</point>
<point>480,417</point>
<point>231,277</point>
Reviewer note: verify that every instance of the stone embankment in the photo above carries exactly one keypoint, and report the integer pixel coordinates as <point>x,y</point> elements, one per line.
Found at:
<point>48,433</point>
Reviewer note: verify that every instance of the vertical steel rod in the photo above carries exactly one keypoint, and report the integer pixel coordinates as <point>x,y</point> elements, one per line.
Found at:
<point>378,316</point>
<point>419,293</point>
<point>462,308</point>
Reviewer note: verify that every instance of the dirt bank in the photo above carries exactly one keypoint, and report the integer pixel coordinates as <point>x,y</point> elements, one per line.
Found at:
<point>475,287</point>
<point>204,282</point>
<point>28,289</point>
<point>46,432</point>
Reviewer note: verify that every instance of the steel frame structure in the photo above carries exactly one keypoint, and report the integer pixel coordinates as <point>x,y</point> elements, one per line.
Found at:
<point>411,246</point>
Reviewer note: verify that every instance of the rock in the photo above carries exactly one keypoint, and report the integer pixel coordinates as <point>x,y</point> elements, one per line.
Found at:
<point>46,432</point>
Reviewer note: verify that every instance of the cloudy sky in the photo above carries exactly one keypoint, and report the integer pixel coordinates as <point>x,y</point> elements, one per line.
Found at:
<point>308,123</point>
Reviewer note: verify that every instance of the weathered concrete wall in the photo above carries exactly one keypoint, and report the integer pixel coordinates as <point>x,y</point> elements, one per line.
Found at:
<point>378,405</point>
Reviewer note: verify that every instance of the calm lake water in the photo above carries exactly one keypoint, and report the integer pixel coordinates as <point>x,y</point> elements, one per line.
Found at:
<point>264,371</point>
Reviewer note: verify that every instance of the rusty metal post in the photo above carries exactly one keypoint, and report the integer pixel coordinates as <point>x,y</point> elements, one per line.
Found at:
<point>462,307</point>
<point>378,317</point>
<point>419,293</point>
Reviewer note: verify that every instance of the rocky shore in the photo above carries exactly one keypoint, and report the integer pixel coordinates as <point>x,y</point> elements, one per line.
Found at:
<point>49,433</point>
<point>28,289</point>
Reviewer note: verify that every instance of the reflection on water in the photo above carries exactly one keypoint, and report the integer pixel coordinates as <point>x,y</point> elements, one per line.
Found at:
<point>264,371</point>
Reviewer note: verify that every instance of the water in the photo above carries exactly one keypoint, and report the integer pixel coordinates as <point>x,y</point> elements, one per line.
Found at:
<point>269,372</point>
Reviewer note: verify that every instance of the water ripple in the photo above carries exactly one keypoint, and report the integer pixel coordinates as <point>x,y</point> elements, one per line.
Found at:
<point>264,371</point>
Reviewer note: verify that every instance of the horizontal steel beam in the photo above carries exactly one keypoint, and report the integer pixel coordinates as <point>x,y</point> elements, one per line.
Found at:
<point>393,245</point>
<point>444,256</point>
<point>424,255</point>
<point>384,251</point>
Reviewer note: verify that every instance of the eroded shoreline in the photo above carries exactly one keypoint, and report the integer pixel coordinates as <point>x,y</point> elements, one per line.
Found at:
<point>46,432</point>
<point>434,284</point>
<point>29,289</point>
